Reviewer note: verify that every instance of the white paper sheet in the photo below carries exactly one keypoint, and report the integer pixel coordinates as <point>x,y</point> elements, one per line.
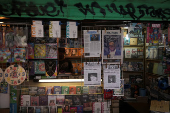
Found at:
<point>37,29</point>
<point>111,75</point>
<point>55,29</point>
<point>119,92</point>
<point>92,43</point>
<point>71,30</point>
<point>97,107</point>
<point>112,46</point>
<point>92,73</point>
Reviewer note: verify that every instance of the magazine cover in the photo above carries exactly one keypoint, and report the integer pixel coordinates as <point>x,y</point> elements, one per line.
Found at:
<point>72,89</point>
<point>39,67</point>
<point>96,107</point>
<point>65,89</point>
<point>78,89</point>
<point>40,51</point>
<point>49,90</point>
<point>43,100</point>
<point>93,97</point>
<point>60,99</point>
<point>77,100</point>
<point>51,100</point>
<point>66,109</point>
<point>92,89</point>
<point>5,55</point>
<point>51,51</point>
<point>32,90</point>
<point>25,91</point>
<point>112,46</point>
<point>73,109</point>
<point>57,89</point>
<point>38,110</point>
<point>25,100</point>
<point>52,109</point>
<point>69,99</point>
<point>85,89</point>
<point>99,97</point>
<point>31,109</point>
<point>135,30</point>
<point>23,109</point>
<point>19,55</point>
<point>80,109</point>
<point>34,100</point>
<point>41,90</point>
<point>134,53</point>
<point>30,50</point>
<point>45,109</point>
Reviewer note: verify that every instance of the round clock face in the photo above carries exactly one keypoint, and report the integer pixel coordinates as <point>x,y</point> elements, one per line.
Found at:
<point>1,75</point>
<point>15,75</point>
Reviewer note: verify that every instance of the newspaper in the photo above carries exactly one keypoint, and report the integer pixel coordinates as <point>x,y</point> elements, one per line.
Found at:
<point>92,73</point>
<point>111,77</point>
<point>112,46</point>
<point>92,43</point>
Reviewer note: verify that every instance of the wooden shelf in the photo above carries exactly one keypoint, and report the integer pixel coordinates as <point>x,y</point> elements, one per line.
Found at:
<point>74,57</point>
<point>133,46</point>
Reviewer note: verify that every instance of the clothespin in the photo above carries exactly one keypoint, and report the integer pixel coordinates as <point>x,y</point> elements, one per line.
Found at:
<point>106,64</point>
<point>120,29</point>
<point>105,30</point>
<point>97,29</point>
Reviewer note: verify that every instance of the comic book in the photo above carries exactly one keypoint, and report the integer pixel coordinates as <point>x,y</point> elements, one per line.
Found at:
<point>99,89</point>
<point>31,68</point>
<point>45,109</point>
<point>43,100</point>
<point>52,109</point>
<point>99,97</point>
<point>80,109</point>
<point>19,55</point>
<point>69,99</point>
<point>40,51</point>
<point>96,107</point>
<point>92,89</point>
<point>85,89</point>
<point>78,90</point>
<point>93,97</point>
<point>49,90</point>
<point>72,90</point>
<point>128,52</point>
<point>80,51</point>
<point>132,79</point>
<point>25,91</point>
<point>5,55</point>
<point>34,100</point>
<point>60,99</point>
<point>134,53</point>
<point>68,52</point>
<point>41,90</point>
<point>39,67</point>
<point>77,100</point>
<point>140,53</point>
<point>51,100</point>
<point>31,109</point>
<point>30,51</point>
<point>32,90</point>
<point>73,109</point>
<point>25,100</point>
<point>38,110</point>
<point>65,89</point>
<point>51,68</point>
<point>51,51</point>
<point>23,109</point>
<point>74,52</point>
<point>57,89</point>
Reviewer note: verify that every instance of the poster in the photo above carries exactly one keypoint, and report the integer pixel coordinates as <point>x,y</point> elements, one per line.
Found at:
<point>92,43</point>
<point>112,46</point>
<point>55,29</point>
<point>120,91</point>
<point>71,30</point>
<point>37,29</point>
<point>111,76</point>
<point>92,73</point>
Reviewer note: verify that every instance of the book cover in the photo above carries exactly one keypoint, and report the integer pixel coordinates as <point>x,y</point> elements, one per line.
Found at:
<point>23,109</point>
<point>132,79</point>
<point>49,90</point>
<point>96,107</point>
<point>60,99</point>
<point>73,109</point>
<point>41,90</point>
<point>34,100</point>
<point>43,100</point>
<point>69,99</point>
<point>77,100</point>
<point>59,109</point>
<point>5,55</point>
<point>25,100</point>
<point>31,109</point>
<point>134,53</point>
<point>51,50</point>
<point>51,100</point>
<point>45,109</point>
<point>65,89</point>
<point>80,109</point>
<point>38,110</point>
<point>24,91</point>
<point>85,89</point>
<point>87,106</point>
<point>57,89</point>
<point>92,89</point>
<point>99,97</point>
<point>139,79</point>
<point>31,68</point>
<point>52,109</point>
<point>66,109</point>
<point>72,90</point>
<point>74,52</point>
<point>78,89</point>
<point>39,51</point>
<point>140,53</point>
<point>39,67</point>
<point>19,55</point>
<point>93,97</point>
<point>128,52</point>
<point>32,90</point>
<point>99,89</point>
<point>30,50</point>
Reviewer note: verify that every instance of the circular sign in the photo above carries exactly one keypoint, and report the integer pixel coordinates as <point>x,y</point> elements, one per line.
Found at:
<point>1,75</point>
<point>15,75</point>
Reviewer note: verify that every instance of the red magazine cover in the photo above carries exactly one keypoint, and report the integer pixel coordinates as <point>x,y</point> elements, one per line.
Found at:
<point>34,100</point>
<point>72,90</point>
<point>108,93</point>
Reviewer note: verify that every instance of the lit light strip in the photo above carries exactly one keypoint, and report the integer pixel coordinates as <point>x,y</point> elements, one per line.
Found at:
<point>62,80</point>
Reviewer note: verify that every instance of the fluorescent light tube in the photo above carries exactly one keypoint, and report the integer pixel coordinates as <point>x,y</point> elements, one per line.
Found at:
<point>62,80</point>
